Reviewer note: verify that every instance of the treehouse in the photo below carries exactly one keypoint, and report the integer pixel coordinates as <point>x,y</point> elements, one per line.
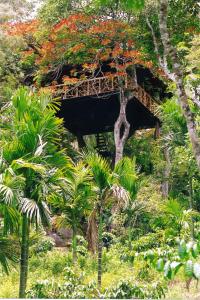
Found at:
<point>92,106</point>
<point>102,63</point>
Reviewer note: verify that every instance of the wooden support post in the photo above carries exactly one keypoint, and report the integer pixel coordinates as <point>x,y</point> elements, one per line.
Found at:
<point>99,86</point>
<point>157,131</point>
<point>80,140</point>
<point>112,84</point>
<point>76,91</point>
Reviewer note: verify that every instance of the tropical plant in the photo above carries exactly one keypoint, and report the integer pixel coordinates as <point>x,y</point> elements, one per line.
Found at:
<point>75,201</point>
<point>128,290</point>
<point>72,287</point>
<point>112,188</point>
<point>170,261</point>
<point>8,252</point>
<point>31,163</point>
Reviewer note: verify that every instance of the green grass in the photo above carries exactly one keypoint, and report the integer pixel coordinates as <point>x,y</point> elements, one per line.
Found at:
<point>52,264</point>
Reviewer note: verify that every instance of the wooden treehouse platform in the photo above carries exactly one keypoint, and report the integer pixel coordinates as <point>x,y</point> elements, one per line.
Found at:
<point>92,106</point>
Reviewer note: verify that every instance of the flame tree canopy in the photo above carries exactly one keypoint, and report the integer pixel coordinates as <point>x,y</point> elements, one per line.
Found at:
<point>81,41</point>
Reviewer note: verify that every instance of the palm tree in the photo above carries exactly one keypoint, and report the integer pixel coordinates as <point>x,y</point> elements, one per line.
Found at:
<point>128,178</point>
<point>32,163</point>
<point>108,189</point>
<point>75,201</point>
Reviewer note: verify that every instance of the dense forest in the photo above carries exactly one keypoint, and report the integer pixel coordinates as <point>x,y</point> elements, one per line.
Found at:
<point>100,149</point>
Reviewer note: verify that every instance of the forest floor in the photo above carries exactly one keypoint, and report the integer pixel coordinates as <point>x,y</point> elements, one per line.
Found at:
<point>50,265</point>
<point>177,291</point>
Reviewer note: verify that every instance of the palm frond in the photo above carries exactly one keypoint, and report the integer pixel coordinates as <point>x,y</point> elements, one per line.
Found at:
<point>121,195</point>
<point>10,186</point>
<point>61,221</point>
<point>40,146</point>
<point>21,163</point>
<point>126,176</point>
<point>100,170</point>
<point>37,212</point>
<point>8,253</point>
<point>11,218</point>
<point>6,194</point>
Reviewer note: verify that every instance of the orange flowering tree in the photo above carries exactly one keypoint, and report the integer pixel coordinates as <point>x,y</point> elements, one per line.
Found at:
<point>89,42</point>
<point>83,42</point>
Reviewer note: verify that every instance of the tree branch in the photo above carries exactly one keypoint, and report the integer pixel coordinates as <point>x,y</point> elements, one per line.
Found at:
<point>170,52</point>
<point>162,61</point>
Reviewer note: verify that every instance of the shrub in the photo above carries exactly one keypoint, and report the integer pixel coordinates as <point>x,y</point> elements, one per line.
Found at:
<point>82,261</point>
<point>72,287</point>
<point>127,255</point>
<point>107,239</point>
<point>43,245</point>
<point>128,290</point>
<point>148,241</point>
<point>82,250</point>
<point>81,241</point>
<point>54,261</point>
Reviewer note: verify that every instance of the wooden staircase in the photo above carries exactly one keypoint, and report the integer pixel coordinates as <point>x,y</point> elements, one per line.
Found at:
<point>101,145</point>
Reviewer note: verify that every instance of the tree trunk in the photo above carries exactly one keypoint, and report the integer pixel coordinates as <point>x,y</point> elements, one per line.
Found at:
<point>171,53</point>
<point>100,228</point>
<point>166,173</point>
<point>24,256</point>
<point>122,126</point>
<point>74,244</point>
<point>157,131</point>
<point>191,205</point>
<point>130,238</point>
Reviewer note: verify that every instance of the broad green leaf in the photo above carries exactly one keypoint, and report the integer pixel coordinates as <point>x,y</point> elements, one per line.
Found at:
<point>175,266</point>
<point>189,246</point>
<point>182,250</point>
<point>195,251</point>
<point>160,265</point>
<point>189,268</point>
<point>196,270</point>
<point>167,270</point>
<point>150,255</point>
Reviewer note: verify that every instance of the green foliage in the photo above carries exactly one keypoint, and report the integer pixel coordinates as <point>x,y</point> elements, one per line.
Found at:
<point>100,170</point>
<point>149,241</point>
<point>54,262</point>
<point>127,5</point>
<point>127,177</point>
<point>107,239</point>
<point>53,11</point>
<point>71,288</point>
<point>9,251</point>
<point>44,245</point>
<point>34,173</point>
<point>170,262</point>
<point>129,290</point>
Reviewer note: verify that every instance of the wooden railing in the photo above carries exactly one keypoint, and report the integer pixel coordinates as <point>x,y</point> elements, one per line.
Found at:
<point>102,85</point>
